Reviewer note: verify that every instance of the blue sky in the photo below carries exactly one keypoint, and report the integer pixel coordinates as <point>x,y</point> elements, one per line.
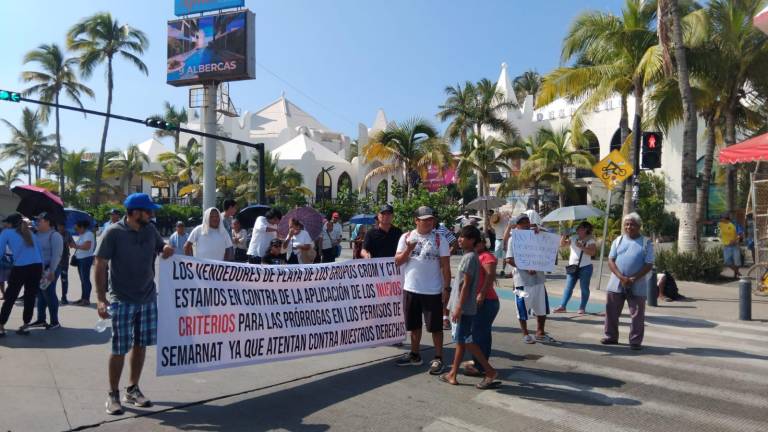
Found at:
<point>340,60</point>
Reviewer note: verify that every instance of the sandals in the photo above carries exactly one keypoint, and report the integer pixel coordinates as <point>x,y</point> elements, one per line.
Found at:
<point>471,371</point>
<point>546,339</point>
<point>444,378</point>
<point>488,383</point>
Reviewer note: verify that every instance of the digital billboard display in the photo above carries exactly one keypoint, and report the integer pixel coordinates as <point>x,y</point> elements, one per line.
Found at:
<point>187,7</point>
<point>211,48</point>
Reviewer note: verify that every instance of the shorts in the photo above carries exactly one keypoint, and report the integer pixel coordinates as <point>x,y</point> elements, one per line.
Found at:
<point>133,324</point>
<point>462,330</point>
<point>430,306</point>
<point>732,255</point>
<point>536,304</point>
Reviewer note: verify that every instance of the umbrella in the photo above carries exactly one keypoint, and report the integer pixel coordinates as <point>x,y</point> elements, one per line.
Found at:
<point>35,200</point>
<point>73,216</point>
<point>511,210</point>
<point>752,150</point>
<point>312,220</point>
<point>248,215</point>
<point>486,203</point>
<point>363,219</point>
<point>572,213</point>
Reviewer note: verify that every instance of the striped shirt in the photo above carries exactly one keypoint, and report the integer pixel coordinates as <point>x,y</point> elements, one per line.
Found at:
<point>448,234</point>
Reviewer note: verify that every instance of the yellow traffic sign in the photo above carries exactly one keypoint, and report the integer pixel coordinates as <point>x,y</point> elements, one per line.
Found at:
<point>613,169</point>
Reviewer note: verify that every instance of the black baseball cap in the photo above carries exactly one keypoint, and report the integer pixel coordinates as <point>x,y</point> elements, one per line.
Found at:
<point>115,211</point>
<point>13,219</point>
<point>425,212</point>
<point>275,242</point>
<point>386,208</point>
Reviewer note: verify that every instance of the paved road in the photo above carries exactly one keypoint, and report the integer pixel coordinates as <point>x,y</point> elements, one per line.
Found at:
<point>696,374</point>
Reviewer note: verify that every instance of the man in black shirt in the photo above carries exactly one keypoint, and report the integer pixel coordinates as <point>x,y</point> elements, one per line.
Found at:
<point>381,242</point>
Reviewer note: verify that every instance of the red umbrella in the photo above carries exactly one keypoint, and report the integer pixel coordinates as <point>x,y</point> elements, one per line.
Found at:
<point>312,220</point>
<point>35,200</point>
<point>752,150</point>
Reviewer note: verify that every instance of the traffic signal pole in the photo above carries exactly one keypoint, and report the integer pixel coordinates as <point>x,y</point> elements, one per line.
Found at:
<point>636,137</point>
<point>208,123</point>
<point>210,137</point>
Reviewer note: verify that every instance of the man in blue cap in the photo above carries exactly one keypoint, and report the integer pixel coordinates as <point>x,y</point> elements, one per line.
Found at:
<point>130,247</point>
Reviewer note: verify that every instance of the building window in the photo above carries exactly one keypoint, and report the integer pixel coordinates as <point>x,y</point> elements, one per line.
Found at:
<point>561,113</point>
<point>551,115</point>
<point>539,117</point>
<point>344,184</point>
<point>382,191</point>
<point>323,186</point>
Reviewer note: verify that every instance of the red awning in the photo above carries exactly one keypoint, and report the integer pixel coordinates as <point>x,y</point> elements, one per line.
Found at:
<point>752,150</point>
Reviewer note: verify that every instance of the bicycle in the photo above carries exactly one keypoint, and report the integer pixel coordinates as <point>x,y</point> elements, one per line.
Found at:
<point>759,273</point>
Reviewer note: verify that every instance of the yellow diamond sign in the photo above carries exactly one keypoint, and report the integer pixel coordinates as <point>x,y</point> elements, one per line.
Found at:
<point>613,169</point>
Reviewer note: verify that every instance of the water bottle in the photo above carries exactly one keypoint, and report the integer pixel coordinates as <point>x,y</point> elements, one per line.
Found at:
<point>104,323</point>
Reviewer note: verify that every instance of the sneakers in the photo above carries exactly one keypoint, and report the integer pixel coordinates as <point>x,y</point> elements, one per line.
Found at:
<point>23,330</point>
<point>545,338</point>
<point>529,339</point>
<point>135,397</point>
<point>409,359</point>
<point>436,366</point>
<point>38,323</point>
<point>53,326</point>
<point>606,341</point>
<point>635,347</point>
<point>113,403</point>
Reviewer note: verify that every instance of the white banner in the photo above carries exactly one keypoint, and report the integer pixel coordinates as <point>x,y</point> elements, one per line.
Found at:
<point>214,314</point>
<point>535,251</point>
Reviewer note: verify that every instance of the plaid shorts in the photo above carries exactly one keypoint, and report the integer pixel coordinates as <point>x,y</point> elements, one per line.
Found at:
<point>133,324</point>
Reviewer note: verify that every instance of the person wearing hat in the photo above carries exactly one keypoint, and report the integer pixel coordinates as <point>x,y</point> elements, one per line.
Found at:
<point>210,240</point>
<point>114,216</point>
<point>274,255</point>
<point>179,237</point>
<point>381,241</point>
<point>424,257</point>
<point>730,240</point>
<point>26,272</point>
<point>130,247</point>
<point>51,250</point>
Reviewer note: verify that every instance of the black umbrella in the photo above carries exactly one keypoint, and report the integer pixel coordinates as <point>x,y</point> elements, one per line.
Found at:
<point>35,200</point>
<point>248,215</point>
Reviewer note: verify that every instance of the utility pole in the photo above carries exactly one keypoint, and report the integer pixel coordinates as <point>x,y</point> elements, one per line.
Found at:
<point>208,123</point>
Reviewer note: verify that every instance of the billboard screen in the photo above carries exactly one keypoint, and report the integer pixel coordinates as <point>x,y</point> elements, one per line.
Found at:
<point>211,48</point>
<point>186,7</point>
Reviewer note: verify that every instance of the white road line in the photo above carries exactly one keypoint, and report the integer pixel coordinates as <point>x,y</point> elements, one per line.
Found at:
<point>673,411</point>
<point>750,399</point>
<point>549,413</point>
<point>452,424</point>
<point>711,331</point>
<point>737,325</point>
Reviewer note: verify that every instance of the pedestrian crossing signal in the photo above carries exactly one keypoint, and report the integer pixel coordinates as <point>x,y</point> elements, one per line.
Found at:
<point>651,155</point>
<point>10,96</point>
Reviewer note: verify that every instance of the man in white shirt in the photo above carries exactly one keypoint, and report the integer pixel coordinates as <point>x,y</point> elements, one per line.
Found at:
<point>210,240</point>
<point>264,230</point>
<point>424,257</point>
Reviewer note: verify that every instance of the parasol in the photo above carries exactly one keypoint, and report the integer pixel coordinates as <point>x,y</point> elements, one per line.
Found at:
<point>486,203</point>
<point>73,216</point>
<point>248,215</point>
<point>35,200</point>
<point>312,220</point>
<point>363,219</point>
<point>571,213</point>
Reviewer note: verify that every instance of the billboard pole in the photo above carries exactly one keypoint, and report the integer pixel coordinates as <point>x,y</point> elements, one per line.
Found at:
<point>208,122</point>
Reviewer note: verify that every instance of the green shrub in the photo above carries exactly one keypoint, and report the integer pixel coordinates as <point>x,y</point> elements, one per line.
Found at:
<point>703,266</point>
<point>441,201</point>
<point>565,253</point>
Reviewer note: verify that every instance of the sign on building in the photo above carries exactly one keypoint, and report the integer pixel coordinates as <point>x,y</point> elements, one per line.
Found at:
<point>613,169</point>
<point>187,7</point>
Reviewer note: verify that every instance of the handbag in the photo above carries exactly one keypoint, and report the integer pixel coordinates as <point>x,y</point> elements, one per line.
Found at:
<point>573,269</point>
<point>74,261</point>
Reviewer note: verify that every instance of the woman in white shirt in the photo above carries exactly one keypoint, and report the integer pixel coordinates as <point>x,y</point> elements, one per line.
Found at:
<point>239,240</point>
<point>210,240</point>
<point>579,265</point>
<point>301,244</point>
<point>84,246</point>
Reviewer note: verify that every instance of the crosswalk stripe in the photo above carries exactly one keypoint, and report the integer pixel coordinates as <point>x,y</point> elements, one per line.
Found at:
<point>548,413</point>
<point>758,401</point>
<point>737,325</point>
<point>708,331</point>
<point>452,424</point>
<point>674,411</point>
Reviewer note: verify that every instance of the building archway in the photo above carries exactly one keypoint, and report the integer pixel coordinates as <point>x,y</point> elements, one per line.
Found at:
<point>382,192</point>
<point>323,186</point>
<point>192,143</point>
<point>344,183</point>
<point>592,144</point>
<point>616,140</point>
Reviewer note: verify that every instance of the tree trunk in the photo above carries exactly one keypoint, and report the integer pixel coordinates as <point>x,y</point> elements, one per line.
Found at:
<point>535,197</point>
<point>100,166</point>
<point>687,234</point>
<point>58,150</point>
<point>624,120</point>
<point>706,175</point>
<point>561,195</point>
<point>29,170</point>
<point>638,94</point>
<point>730,170</point>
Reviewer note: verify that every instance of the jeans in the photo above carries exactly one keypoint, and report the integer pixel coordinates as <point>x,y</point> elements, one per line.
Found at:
<point>27,276</point>
<point>47,298</point>
<point>84,271</point>
<point>64,280</point>
<point>585,274</point>
<point>481,328</point>
<point>329,255</point>
<point>614,305</point>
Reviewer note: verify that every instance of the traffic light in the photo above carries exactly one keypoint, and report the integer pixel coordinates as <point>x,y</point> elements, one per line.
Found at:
<point>10,96</point>
<point>651,156</point>
<point>160,124</point>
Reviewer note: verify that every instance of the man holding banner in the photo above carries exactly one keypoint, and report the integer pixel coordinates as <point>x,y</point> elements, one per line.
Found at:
<point>129,247</point>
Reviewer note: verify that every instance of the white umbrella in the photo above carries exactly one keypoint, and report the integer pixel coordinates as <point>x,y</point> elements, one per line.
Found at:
<point>572,213</point>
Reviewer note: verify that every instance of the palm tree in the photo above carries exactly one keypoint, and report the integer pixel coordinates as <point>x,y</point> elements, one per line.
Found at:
<point>128,165</point>
<point>12,174</point>
<point>614,55</point>
<point>98,39</point>
<point>489,156</point>
<point>56,75</point>
<point>43,158</point>
<point>558,152</point>
<point>167,177</point>
<point>407,149</point>
<point>174,116</point>
<point>526,84</point>
<point>280,182</point>
<point>188,163</point>
<point>524,150</point>
<point>78,172</point>
<point>25,141</point>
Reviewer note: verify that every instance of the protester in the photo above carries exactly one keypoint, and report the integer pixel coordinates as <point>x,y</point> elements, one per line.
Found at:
<point>730,240</point>
<point>424,257</point>
<point>239,241</point>
<point>630,259</point>
<point>463,306</point>
<point>336,234</point>
<point>179,237</point>
<point>129,247</point>
<point>51,250</point>
<point>64,263</point>
<point>382,241</point>
<point>264,231</point>
<point>453,246</point>
<point>579,267</point>
<point>491,232</point>
<point>487,308</point>
<point>114,216</point>
<point>301,244</point>
<point>358,237</point>
<point>84,246</point>
<point>530,292</point>
<point>27,270</point>
<point>210,240</point>
<point>327,242</point>
<point>275,255</point>
<point>230,209</point>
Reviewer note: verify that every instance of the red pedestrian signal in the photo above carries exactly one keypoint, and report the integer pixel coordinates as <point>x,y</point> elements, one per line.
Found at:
<point>651,150</point>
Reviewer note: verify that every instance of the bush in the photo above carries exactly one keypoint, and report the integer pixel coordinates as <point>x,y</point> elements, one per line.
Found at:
<point>445,206</point>
<point>703,266</point>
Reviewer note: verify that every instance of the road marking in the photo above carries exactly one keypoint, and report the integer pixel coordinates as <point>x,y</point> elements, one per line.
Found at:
<point>549,413</point>
<point>708,331</point>
<point>737,325</point>
<point>673,411</point>
<point>452,424</point>
<point>750,399</point>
